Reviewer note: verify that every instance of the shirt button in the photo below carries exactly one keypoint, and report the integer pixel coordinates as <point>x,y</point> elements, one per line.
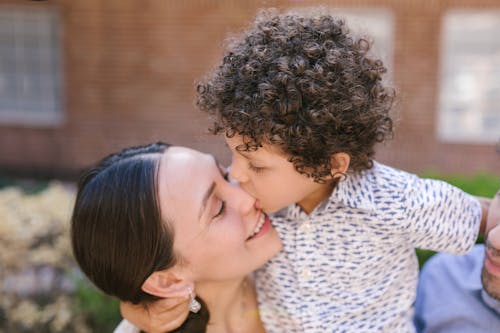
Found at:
<point>305,274</point>
<point>305,227</point>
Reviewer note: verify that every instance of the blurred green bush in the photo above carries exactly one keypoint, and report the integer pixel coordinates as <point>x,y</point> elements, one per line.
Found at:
<point>102,311</point>
<point>41,288</point>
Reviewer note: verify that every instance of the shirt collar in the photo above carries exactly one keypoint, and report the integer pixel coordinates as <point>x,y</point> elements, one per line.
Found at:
<point>355,191</point>
<point>493,303</point>
<point>473,282</point>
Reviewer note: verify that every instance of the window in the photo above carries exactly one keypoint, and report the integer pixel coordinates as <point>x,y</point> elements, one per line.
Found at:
<point>469,104</point>
<point>30,66</point>
<point>376,24</point>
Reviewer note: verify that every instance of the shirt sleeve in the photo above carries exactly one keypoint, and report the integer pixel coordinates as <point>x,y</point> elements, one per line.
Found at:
<point>439,216</point>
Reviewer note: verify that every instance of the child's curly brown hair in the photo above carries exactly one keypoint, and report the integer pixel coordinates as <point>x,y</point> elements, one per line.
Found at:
<point>304,84</point>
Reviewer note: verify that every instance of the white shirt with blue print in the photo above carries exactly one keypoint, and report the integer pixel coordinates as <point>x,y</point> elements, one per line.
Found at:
<point>350,265</point>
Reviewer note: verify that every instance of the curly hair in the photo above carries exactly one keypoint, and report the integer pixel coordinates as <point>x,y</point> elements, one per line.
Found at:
<point>304,84</point>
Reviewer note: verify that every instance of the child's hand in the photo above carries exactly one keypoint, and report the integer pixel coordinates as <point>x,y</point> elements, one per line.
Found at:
<point>164,315</point>
<point>493,217</point>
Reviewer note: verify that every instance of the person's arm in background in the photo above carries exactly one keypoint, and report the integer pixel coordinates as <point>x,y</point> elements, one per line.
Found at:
<point>485,204</point>
<point>160,316</point>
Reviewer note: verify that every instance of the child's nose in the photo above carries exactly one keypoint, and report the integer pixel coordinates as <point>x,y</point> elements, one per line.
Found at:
<point>236,171</point>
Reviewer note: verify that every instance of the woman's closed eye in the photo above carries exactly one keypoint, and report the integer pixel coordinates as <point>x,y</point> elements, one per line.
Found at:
<point>221,209</point>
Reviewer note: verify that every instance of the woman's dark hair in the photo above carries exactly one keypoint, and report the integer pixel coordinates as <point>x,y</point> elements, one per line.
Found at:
<point>304,84</point>
<point>118,236</point>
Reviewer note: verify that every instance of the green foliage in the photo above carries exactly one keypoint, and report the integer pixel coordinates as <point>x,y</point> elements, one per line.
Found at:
<point>482,184</point>
<point>102,311</point>
<point>28,186</point>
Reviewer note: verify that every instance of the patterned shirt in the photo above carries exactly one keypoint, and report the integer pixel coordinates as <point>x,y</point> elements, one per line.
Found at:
<point>451,298</point>
<point>350,265</point>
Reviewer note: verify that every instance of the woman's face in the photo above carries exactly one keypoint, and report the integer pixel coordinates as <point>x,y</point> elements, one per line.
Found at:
<point>218,232</point>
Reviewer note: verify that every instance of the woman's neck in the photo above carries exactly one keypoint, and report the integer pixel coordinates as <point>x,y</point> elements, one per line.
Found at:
<point>232,306</point>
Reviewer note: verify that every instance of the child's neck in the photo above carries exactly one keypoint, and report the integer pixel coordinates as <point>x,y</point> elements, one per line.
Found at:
<point>232,306</point>
<point>313,200</point>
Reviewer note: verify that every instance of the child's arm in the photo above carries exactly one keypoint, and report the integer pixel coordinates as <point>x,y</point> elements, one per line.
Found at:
<point>441,217</point>
<point>164,315</point>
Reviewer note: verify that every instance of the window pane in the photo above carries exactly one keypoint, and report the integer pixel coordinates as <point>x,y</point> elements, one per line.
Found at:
<point>29,66</point>
<point>470,77</point>
<point>374,23</point>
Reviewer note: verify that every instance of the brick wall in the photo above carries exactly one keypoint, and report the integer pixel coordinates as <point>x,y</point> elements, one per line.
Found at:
<point>130,68</point>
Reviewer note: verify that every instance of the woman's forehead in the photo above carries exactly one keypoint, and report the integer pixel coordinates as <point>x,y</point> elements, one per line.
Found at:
<point>185,175</point>
<point>185,167</point>
<point>184,157</point>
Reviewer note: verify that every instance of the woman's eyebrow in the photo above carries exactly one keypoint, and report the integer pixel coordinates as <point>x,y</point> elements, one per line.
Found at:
<point>207,195</point>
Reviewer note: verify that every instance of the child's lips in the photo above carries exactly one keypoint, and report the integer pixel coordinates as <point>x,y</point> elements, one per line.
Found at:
<point>257,204</point>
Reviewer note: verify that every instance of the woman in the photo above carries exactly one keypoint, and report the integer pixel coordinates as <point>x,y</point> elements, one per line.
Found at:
<point>159,221</point>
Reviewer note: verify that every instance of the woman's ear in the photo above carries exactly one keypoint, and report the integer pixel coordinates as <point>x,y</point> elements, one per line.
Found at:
<point>167,284</point>
<point>339,163</point>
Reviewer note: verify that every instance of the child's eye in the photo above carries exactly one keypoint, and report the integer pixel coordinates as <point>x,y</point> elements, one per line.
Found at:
<point>254,168</point>
<point>221,209</point>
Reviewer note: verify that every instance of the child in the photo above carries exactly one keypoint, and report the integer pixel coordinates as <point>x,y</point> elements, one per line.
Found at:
<point>302,105</point>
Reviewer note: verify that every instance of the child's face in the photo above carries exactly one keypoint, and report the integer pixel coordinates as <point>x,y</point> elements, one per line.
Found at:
<point>267,175</point>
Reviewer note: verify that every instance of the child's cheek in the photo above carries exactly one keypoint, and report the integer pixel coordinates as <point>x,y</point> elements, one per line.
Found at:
<point>494,238</point>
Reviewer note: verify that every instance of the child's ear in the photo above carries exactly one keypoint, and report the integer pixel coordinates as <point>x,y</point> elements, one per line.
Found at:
<point>167,284</point>
<point>339,163</point>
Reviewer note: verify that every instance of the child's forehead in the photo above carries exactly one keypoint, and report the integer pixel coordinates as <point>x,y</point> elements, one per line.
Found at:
<point>238,142</point>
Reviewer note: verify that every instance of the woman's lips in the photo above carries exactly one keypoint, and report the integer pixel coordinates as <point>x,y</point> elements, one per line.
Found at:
<point>265,227</point>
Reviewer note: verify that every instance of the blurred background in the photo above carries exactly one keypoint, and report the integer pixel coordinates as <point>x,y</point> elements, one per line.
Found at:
<point>82,78</point>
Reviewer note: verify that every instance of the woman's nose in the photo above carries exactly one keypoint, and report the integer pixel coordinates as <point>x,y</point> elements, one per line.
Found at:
<point>246,203</point>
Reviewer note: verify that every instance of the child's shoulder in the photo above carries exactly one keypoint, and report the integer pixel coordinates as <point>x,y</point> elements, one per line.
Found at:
<point>384,178</point>
<point>374,187</point>
<point>381,175</point>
